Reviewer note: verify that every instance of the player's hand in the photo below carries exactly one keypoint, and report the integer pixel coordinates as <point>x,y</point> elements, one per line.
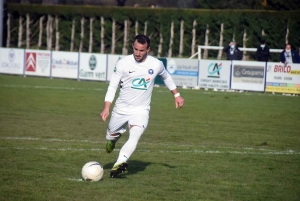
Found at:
<point>104,114</point>
<point>179,102</point>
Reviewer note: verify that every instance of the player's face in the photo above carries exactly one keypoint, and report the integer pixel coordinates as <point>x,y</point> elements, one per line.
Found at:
<point>140,51</point>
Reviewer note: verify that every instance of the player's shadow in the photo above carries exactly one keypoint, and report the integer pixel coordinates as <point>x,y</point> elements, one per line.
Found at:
<point>135,167</point>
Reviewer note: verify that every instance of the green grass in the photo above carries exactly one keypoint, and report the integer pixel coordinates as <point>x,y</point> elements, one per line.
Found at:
<point>220,146</point>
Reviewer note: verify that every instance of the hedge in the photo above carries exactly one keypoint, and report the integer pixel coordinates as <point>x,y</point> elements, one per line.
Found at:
<point>254,22</point>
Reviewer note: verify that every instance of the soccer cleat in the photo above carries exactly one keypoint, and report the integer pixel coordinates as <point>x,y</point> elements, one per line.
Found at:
<point>110,144</point>
<point>118,168</point>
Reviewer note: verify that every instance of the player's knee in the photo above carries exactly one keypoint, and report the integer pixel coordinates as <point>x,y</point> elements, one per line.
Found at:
<point>136,131</point>
<point>111,136</point>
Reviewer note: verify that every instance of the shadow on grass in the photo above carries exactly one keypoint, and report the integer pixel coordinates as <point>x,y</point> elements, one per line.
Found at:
<point>135,167</point>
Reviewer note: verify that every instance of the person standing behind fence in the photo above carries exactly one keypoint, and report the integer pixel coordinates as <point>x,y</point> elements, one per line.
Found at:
<point>233,52</point>
<point>121,2</point>
<point>262,52</point>
<point>289,56</point>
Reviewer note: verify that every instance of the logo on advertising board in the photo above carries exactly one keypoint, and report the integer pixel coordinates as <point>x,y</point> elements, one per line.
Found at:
<point>182,69</point>
<point>92,71</point>
<point>279,68</point>
<point>248,71</point>
<point>12,62</point>
<point>171,66</point>
<point>214,70</point>
<point>93,62</point>
<point>30,61</point>
<point>140,83</point>
<point>66,64</point>
<point>115,69</point>
<point>11,55</point>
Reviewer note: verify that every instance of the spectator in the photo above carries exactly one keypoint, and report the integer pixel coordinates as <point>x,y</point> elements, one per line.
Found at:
<point>121,2</point>
<point>262,52</point>
<point>233,52</point>
<point>288,56</point>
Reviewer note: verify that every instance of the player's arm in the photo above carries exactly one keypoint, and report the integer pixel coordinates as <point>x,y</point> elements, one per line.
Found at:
<point>105,112</point>
<point>166,77</point>
<point>111,91</point>
<point>179,101</point>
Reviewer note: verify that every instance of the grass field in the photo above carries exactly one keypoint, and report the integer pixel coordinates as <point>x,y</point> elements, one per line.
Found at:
<point>220,146</point>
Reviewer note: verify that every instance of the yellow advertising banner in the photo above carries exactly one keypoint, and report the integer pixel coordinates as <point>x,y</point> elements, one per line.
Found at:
<point>283,78</point>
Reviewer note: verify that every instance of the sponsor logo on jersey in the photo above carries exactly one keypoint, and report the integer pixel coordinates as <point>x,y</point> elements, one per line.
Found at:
<point>140,83</point>
<point>150,71</point>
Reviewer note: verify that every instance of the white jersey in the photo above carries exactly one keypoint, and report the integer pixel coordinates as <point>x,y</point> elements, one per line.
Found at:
<point>136,81</point>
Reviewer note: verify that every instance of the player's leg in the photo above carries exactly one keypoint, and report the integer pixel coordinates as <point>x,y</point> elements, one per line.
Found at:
<point>137,124</point>
<point>129,147</point>
<point>116,126</point>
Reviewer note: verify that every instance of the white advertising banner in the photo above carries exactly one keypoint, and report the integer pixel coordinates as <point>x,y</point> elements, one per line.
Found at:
<point>111,63</point>
<point>214,74</point>
<point>11,61</point>
<point>92,66</point>
<point>37,62</point>
<point>184,72</point>
<point>248,75</point>
<point>65,64</point>
<point>283,78</point>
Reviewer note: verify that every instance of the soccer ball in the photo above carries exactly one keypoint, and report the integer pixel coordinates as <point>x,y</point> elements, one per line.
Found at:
<point>92,171</point>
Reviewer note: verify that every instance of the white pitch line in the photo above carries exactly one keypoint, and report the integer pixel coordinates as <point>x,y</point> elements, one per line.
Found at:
<point>145,143</point>
<point>72,179</point>
<point>52,149</point>
<point>47,140</point>
<point>100,89</point>
<point>48,87</point>
<point>290,152</point>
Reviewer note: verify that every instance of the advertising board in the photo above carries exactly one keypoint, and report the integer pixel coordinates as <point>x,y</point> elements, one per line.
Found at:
<point>37,62</point>
<point>11,61</point>
<point>111,64</point>
<point>283,78</point>
<point>92,66</point>
<point>184,72</point>
<point>214,74</point>
<point>64,64</point>
<point>248,75</point>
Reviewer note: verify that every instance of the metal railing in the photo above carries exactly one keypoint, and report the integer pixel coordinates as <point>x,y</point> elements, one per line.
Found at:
<point>221,48</point>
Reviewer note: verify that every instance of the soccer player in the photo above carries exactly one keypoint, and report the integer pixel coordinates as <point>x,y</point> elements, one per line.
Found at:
<point>136,74</point>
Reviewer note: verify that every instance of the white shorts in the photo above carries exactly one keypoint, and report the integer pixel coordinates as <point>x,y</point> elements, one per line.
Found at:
<point>118,122</point>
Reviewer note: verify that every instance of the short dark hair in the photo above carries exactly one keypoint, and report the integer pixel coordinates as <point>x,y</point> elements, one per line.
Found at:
<point>262,41</point>
<point>142,39</point>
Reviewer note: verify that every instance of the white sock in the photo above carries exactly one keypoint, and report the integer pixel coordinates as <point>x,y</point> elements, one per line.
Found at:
<point>128,148</point>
